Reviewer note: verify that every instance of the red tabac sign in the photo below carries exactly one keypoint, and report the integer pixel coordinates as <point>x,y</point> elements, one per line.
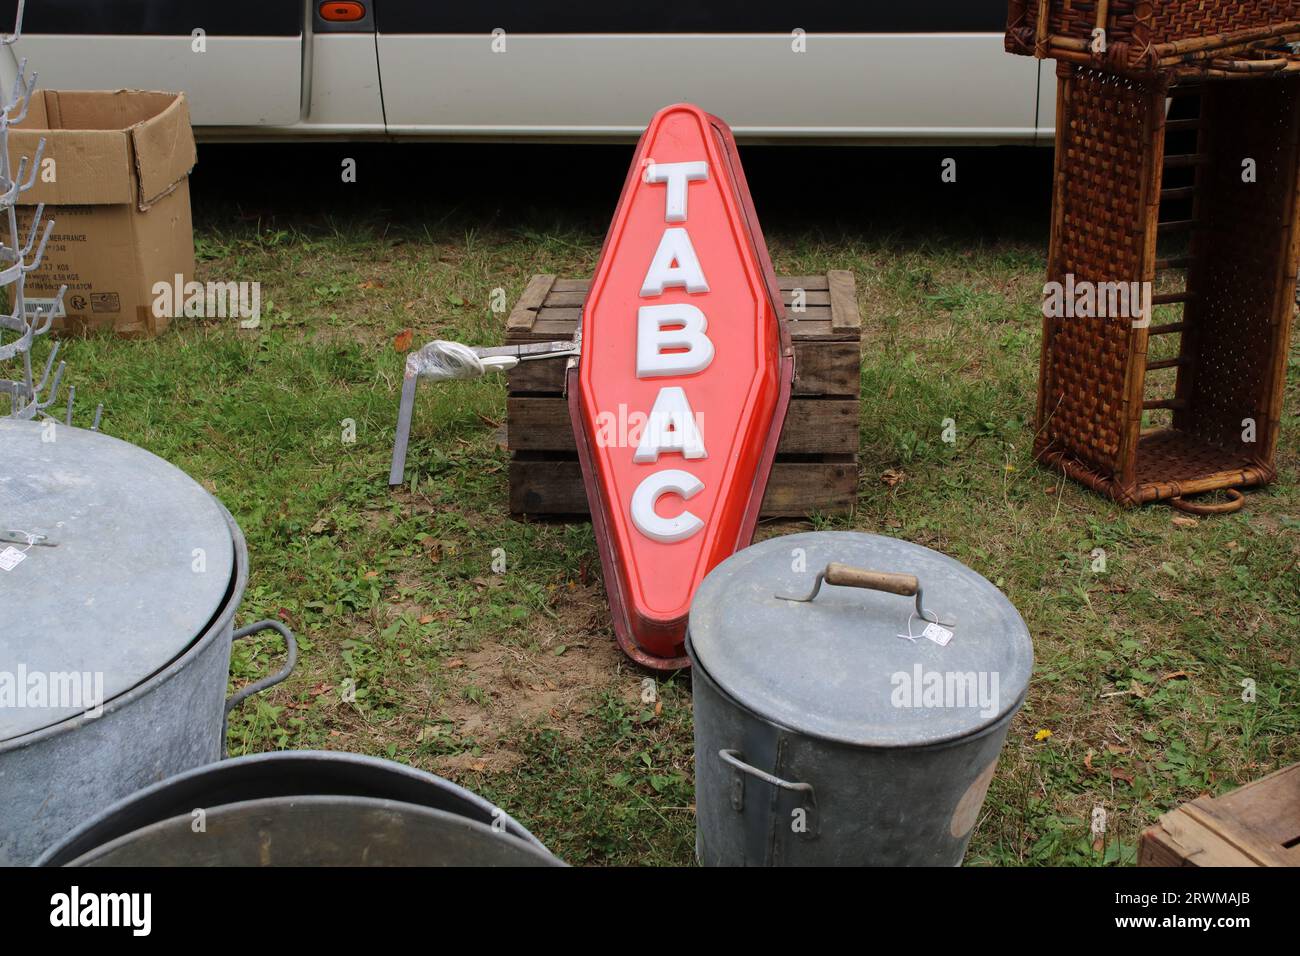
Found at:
<point>679,396</point>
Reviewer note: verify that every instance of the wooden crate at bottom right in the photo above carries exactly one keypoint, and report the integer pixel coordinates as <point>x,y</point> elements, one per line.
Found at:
<point>1255,825</point>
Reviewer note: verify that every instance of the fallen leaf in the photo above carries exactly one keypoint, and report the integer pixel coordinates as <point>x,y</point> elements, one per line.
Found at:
<point>1117,774</point>
<point>1050,491</point>
<point>370,575</point>
<point>454,663</point>
<point>402,340</point>
<point>1174,675</point>
<point>893,476</point>
<point>426,619</point>
<point>370,284</point>
<point>1182,521</point>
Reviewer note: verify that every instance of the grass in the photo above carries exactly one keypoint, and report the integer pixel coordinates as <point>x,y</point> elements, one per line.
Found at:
<point>438,631</point>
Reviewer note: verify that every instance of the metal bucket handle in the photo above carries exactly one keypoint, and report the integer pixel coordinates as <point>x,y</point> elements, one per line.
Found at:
<point>735,760</point>
<point>291,648</point>
<point>845,575</point>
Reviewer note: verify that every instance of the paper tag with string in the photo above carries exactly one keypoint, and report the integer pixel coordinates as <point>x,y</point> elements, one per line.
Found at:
<point>10,558</point>
<point>934,632</point>
<point>937,633</point>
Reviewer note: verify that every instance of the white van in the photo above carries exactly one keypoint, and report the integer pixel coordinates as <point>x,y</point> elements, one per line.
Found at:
<point>877,71</point>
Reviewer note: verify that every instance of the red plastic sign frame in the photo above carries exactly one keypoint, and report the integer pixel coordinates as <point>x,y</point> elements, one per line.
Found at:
<point>686,367</point>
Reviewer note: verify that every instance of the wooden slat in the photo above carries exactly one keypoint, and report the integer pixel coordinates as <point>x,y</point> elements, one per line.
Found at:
<point>785,283</point>
<point>844,301</point>
<point>1177,225</point>
<point>1170,298</point>
<point>795,489</point>
<point>1167,329</point>
<point>812,426</point>
<point>820,368</point>
<point>1176,193</point>
<point>1165,363</point>
<point>1183,160</point>
<point>1173,403</point>
<point>812,325</point>
<point>1179,839</point>
<point>525,311</point>
<point>562,307</point>
<point>1182,125</point>
<point>568,299</point>
<point>1270,805</point>
<point>1176,262</point>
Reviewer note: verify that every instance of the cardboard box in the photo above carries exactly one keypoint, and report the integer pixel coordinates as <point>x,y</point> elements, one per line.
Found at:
<point>118,191</point>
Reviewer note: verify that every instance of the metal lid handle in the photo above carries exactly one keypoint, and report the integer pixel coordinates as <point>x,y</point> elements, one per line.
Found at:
<point>846,575</point>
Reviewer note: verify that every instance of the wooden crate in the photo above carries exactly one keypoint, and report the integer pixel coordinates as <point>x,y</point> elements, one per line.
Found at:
<point>1255,825</point>
<point>816,462</point>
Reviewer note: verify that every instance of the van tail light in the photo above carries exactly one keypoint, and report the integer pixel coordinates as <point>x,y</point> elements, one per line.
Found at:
<point>342,11</point>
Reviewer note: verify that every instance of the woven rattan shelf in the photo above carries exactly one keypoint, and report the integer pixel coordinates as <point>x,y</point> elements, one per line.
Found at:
<point>1191,188</point>
<point>1175,38</point>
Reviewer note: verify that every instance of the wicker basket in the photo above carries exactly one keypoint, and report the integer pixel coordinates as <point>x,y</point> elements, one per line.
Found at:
<point>1178,38</point>
<point>1190,402</point>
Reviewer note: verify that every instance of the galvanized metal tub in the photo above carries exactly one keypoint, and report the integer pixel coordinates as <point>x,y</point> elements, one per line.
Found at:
<point>302,808</point>
<point>164,705</point>
<point>810,747</point>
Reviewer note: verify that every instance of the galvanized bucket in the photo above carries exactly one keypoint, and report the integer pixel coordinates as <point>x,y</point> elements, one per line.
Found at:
<point>129,579</point>
<point>302,808</point>
<point>851,693</point>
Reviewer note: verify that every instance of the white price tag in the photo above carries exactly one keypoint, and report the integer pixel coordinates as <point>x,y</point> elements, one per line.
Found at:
<point>10,558</point>
<point>937,633</point>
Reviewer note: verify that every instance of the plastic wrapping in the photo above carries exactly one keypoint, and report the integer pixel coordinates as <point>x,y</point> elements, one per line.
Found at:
<point>442,361</point>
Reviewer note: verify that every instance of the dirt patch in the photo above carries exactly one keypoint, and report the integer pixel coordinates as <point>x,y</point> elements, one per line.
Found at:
<point>547,675</point>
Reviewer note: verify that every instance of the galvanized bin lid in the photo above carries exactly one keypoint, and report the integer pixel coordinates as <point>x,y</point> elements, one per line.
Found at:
<point>136,560</point>
<point>841,666</point>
